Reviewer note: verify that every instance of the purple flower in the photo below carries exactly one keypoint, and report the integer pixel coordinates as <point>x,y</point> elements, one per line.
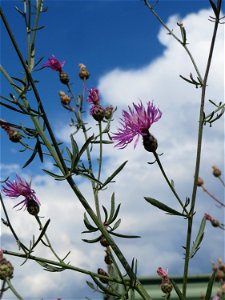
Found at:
<point>54,64</point>
<point>20,187</point>
<point>136,122</point>
<point>93,96</point>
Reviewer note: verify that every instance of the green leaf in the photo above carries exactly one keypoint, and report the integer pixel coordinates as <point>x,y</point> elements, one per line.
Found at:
<point>92,241</point>
<point>110,178</point>
<point>124,235</point>
<point>88,225</point>
<point>163,206</point>
<point>106,213</point>
<point>214,7</point>
<point>112,208</point>
<point>31,158</point>
<point>177,290</point>
<point>210,286</point>
<point>117,224</point>
<point>75,150</point>
<point>85,146</point>
<point>199,238</point>
<point>116,214</point>
<point>12,108</point>
<point>57,177</point>
<point>38,145</point>
<point>41,234</point>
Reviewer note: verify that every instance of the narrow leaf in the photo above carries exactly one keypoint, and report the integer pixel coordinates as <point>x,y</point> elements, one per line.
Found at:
<point>112,208</point>
<point>31,158</point>
<point>117,224</point>
<point>40,153</point>
<point>199,238</point>
<point>88,225</point>
<point>106,213</point>
<point>57,177</point>
<point>116,214</point>
<point>163,206</point>
<point>124,235</point>
<point>216,12</point>
<point>92,241</point>
<point>210,286</point>
<point>110,178</point>
<point>41,234</point>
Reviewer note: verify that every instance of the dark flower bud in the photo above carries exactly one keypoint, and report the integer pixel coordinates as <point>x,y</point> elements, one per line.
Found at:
<point>220,275</point>
<point>216,171</point>
<point>6,269</point>
<point>64,78</point>
<point>108,112</point>
<point>15,136</point>
<point>102,272</point>
<point>150,142</point>
<point>84,74</point>
<point>215,223</point>
<point>104,242</point>
<point>108,259</point>
<point>33,207</point>
<point>166,287</point>
<point>200,181</point>
<point>97,112</point>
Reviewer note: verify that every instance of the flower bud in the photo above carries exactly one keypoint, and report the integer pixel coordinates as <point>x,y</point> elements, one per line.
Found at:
<point>108,112</point>
<point>215,223</point>
<point>216,171</point>
<point>166,287</point>
<point>102,272</point>
<point>64,77</point>
<point>150,142</point>
<point>200,181</point>
<point>104,242</point>
<point>97,112</point>
<point>33,207</point>
<point>84,74</point>
<point>108,259</point>
<point>220,275</point>
<point>6,269</point>
<point>15,136</point>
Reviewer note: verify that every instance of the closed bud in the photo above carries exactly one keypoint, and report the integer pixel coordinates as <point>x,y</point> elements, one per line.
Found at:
<point>84,74</point>
<point>15,136</point>
<point>215,223</point>
<point>108,112</point>
<point>166,287</point>
<point>150,142</point>
<point>220,275</point>
<point>108,259</point>
<point>216,171</point>
<point>6,269</point>
<point>33,207</point>
<point>102,272</point>
<point>104,242</point>
<point>97,112</point>
<point>200,181</point>
<point>64,78</point>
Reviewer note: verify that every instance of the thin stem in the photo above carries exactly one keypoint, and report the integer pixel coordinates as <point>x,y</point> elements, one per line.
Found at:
<point>221,180</point>
<point>168,182</point>
<point>176,38</point>
<point>212,196</point>
<point>100,150</point>
<point>13,289</point>
<point>198,155</point>
<point>2,289</point>
<point>47,239</point>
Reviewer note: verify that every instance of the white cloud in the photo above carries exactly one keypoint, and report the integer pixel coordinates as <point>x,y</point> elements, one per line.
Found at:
<point>163,236</point>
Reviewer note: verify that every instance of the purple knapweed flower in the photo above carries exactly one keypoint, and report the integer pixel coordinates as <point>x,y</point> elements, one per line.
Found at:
<point>54,64</point>
<point>136,122</point>
<point>93,96</point>
<point>20,187</point>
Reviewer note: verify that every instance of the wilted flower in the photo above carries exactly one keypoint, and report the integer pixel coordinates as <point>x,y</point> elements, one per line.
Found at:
<point>6,268</point>
<point>20,187</point>
<point>14,135</point>
<point>136,122</point>
<point>54,64</point>
<point>216,171</point>
<point>93,96</point>
<point>109,112</point>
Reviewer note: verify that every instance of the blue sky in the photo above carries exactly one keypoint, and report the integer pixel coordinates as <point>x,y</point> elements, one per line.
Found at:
<point>129,57</point>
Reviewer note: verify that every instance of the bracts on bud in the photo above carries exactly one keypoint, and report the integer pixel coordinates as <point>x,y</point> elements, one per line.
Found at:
<point>149,142</point>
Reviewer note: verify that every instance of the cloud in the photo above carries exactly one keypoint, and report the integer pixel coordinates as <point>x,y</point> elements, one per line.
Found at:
<point>162,236</point>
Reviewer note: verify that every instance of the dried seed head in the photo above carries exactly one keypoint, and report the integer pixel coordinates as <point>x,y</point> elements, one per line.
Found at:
<point>6,269</point>
<point>64,77</point>
<point>200,181</point>
<point>15,136</point>
<point>216,171</point>
<point>84,74</point>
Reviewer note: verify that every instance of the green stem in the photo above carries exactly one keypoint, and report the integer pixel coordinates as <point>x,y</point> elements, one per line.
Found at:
<point>168,182</point>
<point>13,289</point>
<point>2,289</point>
<point>198,156</point>
<point>47,239</point>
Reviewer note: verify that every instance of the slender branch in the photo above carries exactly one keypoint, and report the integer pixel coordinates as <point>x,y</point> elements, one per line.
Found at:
<point>198,154</point>
<point>169,183</point>
<point>212,196</point>
<point>221,180</point>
